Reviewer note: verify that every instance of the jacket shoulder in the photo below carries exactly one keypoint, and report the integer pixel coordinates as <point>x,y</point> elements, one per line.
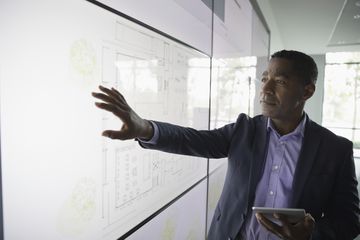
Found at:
<point>329,136</point>
<point>246,119</point>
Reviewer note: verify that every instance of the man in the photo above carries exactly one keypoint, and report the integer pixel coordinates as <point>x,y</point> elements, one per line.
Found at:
<point>278,159</point>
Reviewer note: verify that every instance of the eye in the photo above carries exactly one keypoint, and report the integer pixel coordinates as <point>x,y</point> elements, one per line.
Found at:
<point>280,81</point>
<point>263,79</point>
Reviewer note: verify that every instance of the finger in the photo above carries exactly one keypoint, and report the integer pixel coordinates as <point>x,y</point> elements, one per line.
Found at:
<point>121,135</point>
<point>309,221</point>
<point>112,94</point>
<point>112,108</point>
<point>282,218</point>
<point>266,222</point>
<point>104,97</point>
<point>285,223</point>
<point>118,93</point>
<point>269,225</point>
<point>108,99</point>
<point>308,217</point>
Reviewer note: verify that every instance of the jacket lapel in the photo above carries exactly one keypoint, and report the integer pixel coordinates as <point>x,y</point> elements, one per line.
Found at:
<point>307,156</point>
<point>258,158</point>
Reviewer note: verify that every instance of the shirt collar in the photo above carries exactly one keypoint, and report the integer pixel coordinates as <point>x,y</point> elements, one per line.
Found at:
<point>299,130</point>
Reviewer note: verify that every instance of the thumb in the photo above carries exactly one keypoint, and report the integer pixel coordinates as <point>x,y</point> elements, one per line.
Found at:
<point>309,221</point>
<point>121,135</point>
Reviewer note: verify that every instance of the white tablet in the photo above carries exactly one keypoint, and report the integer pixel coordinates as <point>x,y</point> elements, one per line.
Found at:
<point>292,214</point>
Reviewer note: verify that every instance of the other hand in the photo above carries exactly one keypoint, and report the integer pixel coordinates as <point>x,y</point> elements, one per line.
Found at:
<point>133,125</point>
<point>301,230</point>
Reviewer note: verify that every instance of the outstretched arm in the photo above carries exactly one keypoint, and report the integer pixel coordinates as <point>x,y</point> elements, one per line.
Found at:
<point>133,125</point>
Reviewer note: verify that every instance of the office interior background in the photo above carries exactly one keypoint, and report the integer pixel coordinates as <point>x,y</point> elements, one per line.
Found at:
<point>192,63</point>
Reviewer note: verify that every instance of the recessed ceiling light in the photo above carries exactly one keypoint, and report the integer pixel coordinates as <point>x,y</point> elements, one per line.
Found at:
<point>357,3</point>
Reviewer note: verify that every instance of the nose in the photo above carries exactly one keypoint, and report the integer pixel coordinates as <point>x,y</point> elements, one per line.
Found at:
<point>267,87</point>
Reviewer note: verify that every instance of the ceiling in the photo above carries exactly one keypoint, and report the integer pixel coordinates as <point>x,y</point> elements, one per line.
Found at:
<point>313,26</point>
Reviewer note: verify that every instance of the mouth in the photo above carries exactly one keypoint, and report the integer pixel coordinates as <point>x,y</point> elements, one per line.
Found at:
<point>267,102</point>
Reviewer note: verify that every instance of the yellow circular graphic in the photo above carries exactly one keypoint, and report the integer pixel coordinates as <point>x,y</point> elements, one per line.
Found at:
<point>75,214</point>
<point>169,229</point>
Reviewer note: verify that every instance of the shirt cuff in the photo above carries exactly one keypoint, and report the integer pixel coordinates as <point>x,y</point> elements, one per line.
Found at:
<point>154,138</point>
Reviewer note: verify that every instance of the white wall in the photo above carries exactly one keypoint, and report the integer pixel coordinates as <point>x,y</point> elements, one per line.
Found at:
<point>313,106</point>
<point>261,66</point>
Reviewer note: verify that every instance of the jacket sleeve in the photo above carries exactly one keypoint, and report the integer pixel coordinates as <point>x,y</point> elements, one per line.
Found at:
<point>341,219</point>
<point>188,141</point>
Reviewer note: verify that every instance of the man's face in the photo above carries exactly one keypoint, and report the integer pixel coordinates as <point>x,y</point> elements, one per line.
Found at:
<point>282,91</point>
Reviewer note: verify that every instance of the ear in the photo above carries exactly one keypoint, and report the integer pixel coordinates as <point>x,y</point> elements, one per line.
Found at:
<point>309,90</point>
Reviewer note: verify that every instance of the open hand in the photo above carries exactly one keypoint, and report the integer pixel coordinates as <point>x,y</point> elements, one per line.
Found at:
<point>133,125</point>
<point>292,231</point>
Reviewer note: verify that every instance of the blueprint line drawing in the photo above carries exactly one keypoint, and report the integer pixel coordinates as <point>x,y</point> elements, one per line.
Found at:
<point>155,75</point>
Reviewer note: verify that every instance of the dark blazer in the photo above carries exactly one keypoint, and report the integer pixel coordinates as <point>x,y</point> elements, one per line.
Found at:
<point>324,183</point>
